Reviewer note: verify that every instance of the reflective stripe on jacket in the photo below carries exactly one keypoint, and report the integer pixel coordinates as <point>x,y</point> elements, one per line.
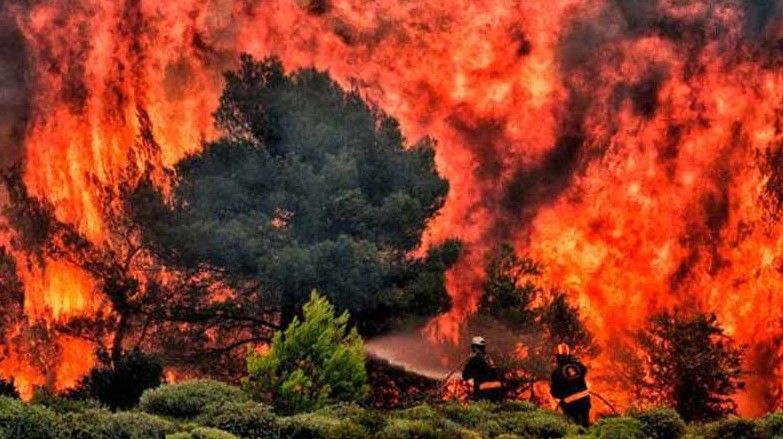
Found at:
<point>576,396</point>
<point>490,385</point>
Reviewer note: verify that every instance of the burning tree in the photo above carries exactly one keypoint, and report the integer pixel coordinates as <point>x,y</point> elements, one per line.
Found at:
<point>689,363</point>
<point>136,297</point>
<point>526,319</point>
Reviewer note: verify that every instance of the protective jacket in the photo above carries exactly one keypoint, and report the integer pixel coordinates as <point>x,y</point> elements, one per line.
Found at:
<point>569,386</point>
<point>487,382</point>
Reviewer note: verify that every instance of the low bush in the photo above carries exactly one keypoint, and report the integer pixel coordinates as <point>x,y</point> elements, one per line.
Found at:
<point>372,420</point>
<point>319,426</point>
<point>189,399</point>
<point>618,428</point>
<point>246,419</point>
<point>516,406</point>
<point>419,429</point>
<point>419,413</point>
<point>661,423</point>
<point>482,417</point>
<point>20,420</point>
<point>62,404</point>
<point>470,415</point>
<point>540,425</point>
<point>734,428</point>
<point>202,433</point>
<point>132,425</point>
<point>771,425</point>
<point>102,424</point>
<point>211,433</point>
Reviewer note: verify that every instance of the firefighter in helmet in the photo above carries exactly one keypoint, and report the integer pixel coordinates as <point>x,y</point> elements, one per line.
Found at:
<point>569,386</point>
<point>487,382</point>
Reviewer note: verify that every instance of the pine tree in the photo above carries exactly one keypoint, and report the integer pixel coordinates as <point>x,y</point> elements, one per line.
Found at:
<point>691,365</point>
<point>316,362</point>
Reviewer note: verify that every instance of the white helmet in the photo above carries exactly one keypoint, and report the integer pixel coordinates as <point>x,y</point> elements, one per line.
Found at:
<point>478,341</point>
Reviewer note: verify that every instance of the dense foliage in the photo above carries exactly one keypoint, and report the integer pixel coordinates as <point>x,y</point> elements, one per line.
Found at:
<point>316,362</point>
<point>689,363</point>
<point>227,413</point>
<point>189,399</point>
<point>309,188</point>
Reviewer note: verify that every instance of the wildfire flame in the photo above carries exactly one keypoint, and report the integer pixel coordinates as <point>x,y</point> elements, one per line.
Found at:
<point>621,143</point>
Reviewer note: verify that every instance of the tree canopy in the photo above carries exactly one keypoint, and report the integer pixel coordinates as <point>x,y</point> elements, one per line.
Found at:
<point>688,362</point>
<point>309,188</point>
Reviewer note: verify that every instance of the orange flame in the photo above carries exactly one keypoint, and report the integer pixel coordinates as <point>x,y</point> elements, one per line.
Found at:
<point>618,146</point>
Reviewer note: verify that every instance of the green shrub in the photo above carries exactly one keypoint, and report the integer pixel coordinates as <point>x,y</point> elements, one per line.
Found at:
<point>210,433</point>
<point>315,363</point>
<point>102,424</point>
<point>246,419</point>
<point>661,423</point>
<point>540,425</point>
<point>189,399</point>
<point>317,426</point>
<point>133,425</point>
<point>419,429</point>
<point>771,425</point>
<point>60,404</point>
<point>180,435</point>
<point>19,420</point>
<point>734,428</point>
<point>516,406</point>
<point>419,413</point>
<point>89,424</point>
<point>618,428</point>
<point>372,420</point>
<point>470,415</point>
<point>479,416</point>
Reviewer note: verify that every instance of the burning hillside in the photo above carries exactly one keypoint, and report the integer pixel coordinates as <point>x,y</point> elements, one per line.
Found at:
<point>633,148</point>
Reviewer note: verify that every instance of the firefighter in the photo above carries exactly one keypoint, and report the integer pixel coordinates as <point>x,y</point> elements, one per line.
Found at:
<point>487,383</point>
<point>569,386</point>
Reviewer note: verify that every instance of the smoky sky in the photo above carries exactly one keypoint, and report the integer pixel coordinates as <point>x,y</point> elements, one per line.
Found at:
<point>516,200</point>
<point>14,92</point>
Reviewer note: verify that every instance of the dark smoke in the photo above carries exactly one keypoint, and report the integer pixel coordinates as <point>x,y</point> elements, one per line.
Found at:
<point>14,92</point>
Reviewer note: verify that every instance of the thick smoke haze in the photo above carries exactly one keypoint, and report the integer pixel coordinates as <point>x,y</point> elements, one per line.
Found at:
<point>14,92</point>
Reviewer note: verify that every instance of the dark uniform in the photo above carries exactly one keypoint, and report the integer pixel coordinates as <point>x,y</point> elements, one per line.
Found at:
<point>569,386</point>
<point>487,383</point>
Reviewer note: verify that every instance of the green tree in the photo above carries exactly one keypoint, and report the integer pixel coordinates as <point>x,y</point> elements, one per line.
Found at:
<point>689,364</point>
<point>310,188</point>
<point>317,361</point>
<point>510,288</point>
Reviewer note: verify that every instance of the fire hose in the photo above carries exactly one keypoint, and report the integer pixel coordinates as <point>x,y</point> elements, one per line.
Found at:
<point>605,401</point>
